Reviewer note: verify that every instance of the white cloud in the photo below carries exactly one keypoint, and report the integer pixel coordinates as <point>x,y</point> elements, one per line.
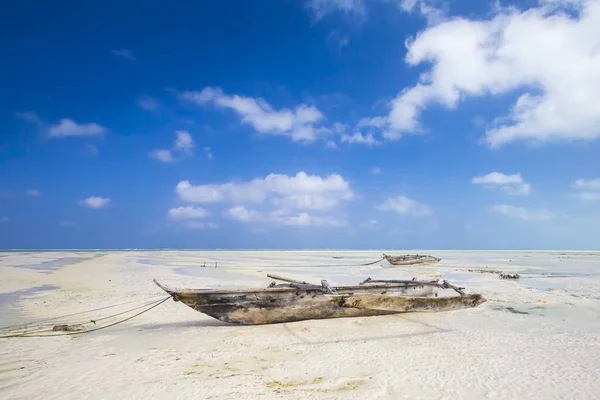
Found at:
<point>331,144</point>
<point>512,184</point>
<point>320,8</point>
<point>300,124</point>
<point>124,53</point>
<point>301,191</point>
<point>148,103</point>
<point>183,146</point>
<point>405,206</point>
<point>282,217</point>
<point>33,193</point>
<point>184,142</point>
<point>425,7</point>
<point>589,184</point>
<point>95,202</point>
<point>241,213</point>
<point>359,138</point>
<point>590,189</point>
<point>554,57</point>
<point>67,127</point>
<point>376,122</point>
<point>188,212</point>
<point>376,170</point>
<point>284,199</point>
<point>522,213</point>
<point>162,155</point>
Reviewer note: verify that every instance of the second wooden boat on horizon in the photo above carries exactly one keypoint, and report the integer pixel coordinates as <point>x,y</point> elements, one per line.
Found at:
<point>410,259</point>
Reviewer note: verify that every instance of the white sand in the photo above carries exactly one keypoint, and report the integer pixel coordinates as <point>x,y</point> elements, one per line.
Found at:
<point>174,352</point>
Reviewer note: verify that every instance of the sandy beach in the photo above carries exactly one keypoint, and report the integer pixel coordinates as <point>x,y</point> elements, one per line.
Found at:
<point>535,338</point>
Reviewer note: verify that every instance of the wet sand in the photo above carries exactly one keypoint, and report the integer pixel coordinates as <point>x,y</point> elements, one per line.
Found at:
<point>535,338</point>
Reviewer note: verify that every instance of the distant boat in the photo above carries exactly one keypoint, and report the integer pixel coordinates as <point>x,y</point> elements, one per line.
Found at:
<point>298,300</point>
<point>410,259</point>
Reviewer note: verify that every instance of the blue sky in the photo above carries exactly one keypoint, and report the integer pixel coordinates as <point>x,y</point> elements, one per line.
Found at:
<point>300,124</point>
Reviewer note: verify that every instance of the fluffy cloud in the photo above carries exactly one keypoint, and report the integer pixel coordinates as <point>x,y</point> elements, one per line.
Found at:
<point>591,184</point>
<point>184,142</point>
<point>124,53</point>
<point>554,57</point>
<point>188,212</point>
<point>67,127</point>
<point>590,189</point>
<point>281,217</point>
<point>405,206</point>
<point>301,191</point>
<point>359,138</point>
<point>512,184</point>
<point>300,124</point>
<point>522,213</point>
<point>95,202</point>
<point>284,199</point>
<point>183,147</point>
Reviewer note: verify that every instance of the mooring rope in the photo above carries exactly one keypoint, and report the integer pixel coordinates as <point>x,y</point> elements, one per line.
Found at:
<point>326,265</point>
<point>374,262</point>
<point>39,331</point>
<point>73,314</point>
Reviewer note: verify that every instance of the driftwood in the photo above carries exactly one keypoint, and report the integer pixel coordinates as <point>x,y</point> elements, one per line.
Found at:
<point>298,300</point>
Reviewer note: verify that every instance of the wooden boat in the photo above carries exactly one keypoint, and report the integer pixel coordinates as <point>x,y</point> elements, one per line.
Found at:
<point>410,259</point>
<point>298,300</point>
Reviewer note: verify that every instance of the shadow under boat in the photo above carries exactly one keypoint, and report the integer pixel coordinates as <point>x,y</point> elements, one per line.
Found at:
<point>298,300</point>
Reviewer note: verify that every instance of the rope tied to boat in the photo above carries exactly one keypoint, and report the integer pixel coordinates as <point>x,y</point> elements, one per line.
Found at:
<point>374,262</point>
<point>76,328</point>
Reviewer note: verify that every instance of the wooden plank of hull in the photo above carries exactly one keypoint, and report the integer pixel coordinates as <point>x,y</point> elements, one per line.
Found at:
<point>302,307</point>
<point>410,304</point>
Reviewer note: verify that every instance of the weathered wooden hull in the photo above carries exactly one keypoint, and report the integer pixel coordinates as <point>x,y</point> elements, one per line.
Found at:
<point>284,304</point>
